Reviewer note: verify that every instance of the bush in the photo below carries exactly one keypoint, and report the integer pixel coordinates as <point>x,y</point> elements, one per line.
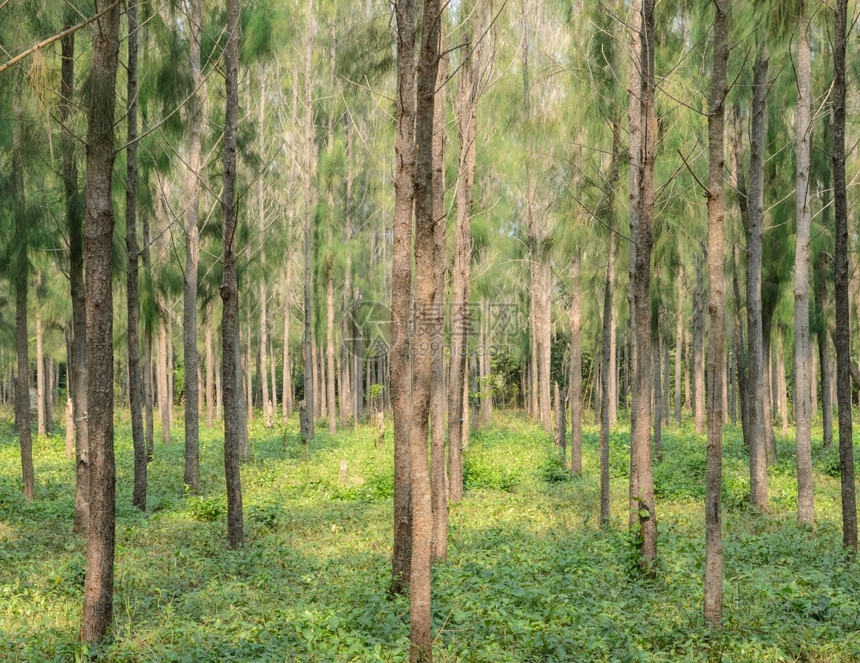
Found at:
<point>207,509</point>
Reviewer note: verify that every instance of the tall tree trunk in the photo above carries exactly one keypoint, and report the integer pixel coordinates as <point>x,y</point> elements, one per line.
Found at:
<point>148,377</point>
<point>21,278</point>
<point>40,358</point>
<point>699,349</point>
<point>657,353</point>
<point>802,350</point>
<point>401,285</point>
<point>347,396</point>
<point>643,517</point>
<point>132,297</point>
<point>438,473</point>
<point>233,424</point>
<point>210,368</point>
<point>98,582</point>
<point>842,337</point>
<point>331,375</point>
<point>308,413</point>
<point>286,376</point>
<point>427,319</point>
<point>713,608</point>
<point>466,108</point>
<point>679,339</point>
<point>770,387</point>
<point>161,372</point>
<point>605,394</point>
<point>755,354</point>
<point>575,385</point>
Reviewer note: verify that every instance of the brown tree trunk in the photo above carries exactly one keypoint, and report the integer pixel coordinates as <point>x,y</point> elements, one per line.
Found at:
<point>643,517</point>
<point>438,473</point>
<point>331,375</point>
<point>40,358</point>
<point>699,349</point>
<point>756,385</point>
<point>466,108</point>
<point>842,338</point>
<point>605,394</point>
<point>210,368</point>
<point>679,340</point>
<point>307,423</point>
<point>21,279</point>
<point>427,319</point>
<point>233,425</point>
<point>401,285</point>
<point>286,375</point>
<point>575,387</point>
<point>98,582</point>
<point>161,372</point>
<point>713,608</point>
<point>132,297</point>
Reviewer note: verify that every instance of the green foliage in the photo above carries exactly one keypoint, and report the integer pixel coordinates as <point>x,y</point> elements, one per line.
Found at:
<point>530,576</point>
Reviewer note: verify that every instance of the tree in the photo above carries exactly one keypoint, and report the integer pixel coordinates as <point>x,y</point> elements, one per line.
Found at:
<point>132,298</point>
<point>192,252</point>
<point>231,387</point>
<point>842,338</point>
<point>98,582</point>
<point>716,309</point>
<point>802,351</point>
<point>643,518</point>
<point>401,285</point>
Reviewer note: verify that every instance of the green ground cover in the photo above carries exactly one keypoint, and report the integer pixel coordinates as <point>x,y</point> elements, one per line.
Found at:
<point>530,576</point>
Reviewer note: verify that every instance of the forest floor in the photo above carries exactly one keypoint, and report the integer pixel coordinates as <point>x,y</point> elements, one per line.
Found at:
<point>530,576</point>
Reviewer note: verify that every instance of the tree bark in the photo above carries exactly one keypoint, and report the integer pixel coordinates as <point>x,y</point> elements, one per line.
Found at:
<point>713,606</point>
<point>438,473</point>
<point>21,279</point>
<point>575,386</point>
<point>427,319</point>
<point>401,285</point>
<point>98,582</point>
<point>755,353</point>
<point>286,376</point>
<point>679,339</point>
<point>132,297</point>
<point>605,394</point>
<point>308,412</point>
<point>229,287</point>
<point>699,349</point>
<point>40,358</point>
<point>643,517</point>
<point>210,368</point>
<point>842,337</point>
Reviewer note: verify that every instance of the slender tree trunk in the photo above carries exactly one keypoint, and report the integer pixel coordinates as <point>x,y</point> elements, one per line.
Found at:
<point>713,608</point>
<point>331,375</point>
<point>286,376</point>
<point>842,336</point>
<point>438,473</point>
<point>575,388</point>
<point>657,353</point>
<point>161,370</point>
<point>427,319</point>
<point>40,358</point>
<point>643,517</point>
<point>826,381</point>
<point>307,427</point>
<point>132,297</point>
<point>401,285</point>
<point>756,389</point>
<point>21,279</point>
<point>605,394</point>
<point>147,347</point>
<point>98,582</point>
<point>770,387</point>
<point>802,350</point>
<point>233,424</point>
<point>210,368</point>
<point>466,107</point>
<point>679,340</point>
<point>699,349</point>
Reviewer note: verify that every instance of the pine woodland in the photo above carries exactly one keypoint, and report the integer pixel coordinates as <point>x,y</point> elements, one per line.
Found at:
<point>490,330</point>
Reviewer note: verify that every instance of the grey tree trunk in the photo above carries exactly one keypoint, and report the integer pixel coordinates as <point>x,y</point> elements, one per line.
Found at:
<point>21,279</point>
<point>329,346</point>
<point>802,350</point>
<point>268,409</point>
<point>438,472</point>
<point>233,424</point>
<point>98,581</point>
<point>643,517</point>
<point>713,607</point>
<point>679,339</point>
<point>286,376</point>
<point>401,285</point>
<point>308,412</point>
<point>575,387</point>
<point>842,337</point>
<point>210,368</point>
<point>135,386</point>
<point>605,394</point>
<point>755,353</point>
<point>192,252</point>
<point>699,349</point>
<point>40,357</point>
<point>427,319</point>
